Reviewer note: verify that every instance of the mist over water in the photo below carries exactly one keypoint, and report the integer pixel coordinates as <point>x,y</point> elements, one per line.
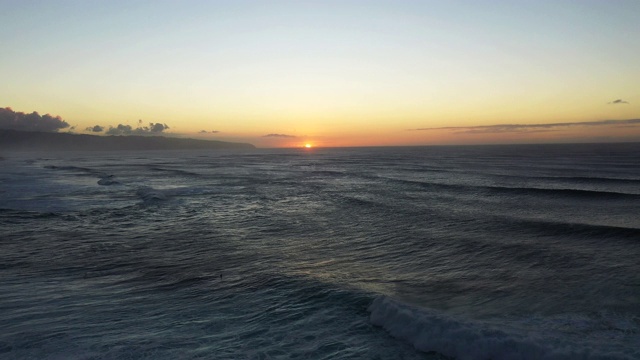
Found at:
<point>489,252</point>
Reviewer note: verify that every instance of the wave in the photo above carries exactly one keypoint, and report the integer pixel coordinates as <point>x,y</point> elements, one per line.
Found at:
<point>524,191</point>
<point>17,214</point>
<point>104,178</point>
<point>581,179</point>
<point>574,193</point>
<point>431,331</point>
<point>68,168</point>
<point>511,171</point>
<point>150,195</point>
<point>107,180</point>
<point>551,228</point>
<point>175,171</point>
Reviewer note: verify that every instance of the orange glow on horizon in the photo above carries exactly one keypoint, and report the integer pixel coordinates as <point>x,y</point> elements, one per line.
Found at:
<point>308,146</point>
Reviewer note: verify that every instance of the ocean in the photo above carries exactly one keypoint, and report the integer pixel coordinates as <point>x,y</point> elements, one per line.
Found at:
<point>469,252</point>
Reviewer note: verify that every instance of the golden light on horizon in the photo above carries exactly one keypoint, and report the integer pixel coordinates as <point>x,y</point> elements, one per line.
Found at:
<point>316,79</point>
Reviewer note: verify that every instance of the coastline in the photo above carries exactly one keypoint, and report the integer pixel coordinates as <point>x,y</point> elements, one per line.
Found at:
<point>24,140</point>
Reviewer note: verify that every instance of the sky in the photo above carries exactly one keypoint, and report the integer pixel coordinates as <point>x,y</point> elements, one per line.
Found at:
<point>329,73</point>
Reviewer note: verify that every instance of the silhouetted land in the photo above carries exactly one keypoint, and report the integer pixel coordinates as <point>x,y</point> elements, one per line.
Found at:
<point>23,140</point>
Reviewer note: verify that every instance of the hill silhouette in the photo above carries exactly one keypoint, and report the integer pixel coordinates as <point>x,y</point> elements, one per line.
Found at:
<point>27,140</point>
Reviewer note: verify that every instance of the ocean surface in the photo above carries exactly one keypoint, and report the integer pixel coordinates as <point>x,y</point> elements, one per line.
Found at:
<point>486,252</point>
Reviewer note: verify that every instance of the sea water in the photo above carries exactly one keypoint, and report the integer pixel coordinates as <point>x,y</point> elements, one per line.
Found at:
<point>486,252</point>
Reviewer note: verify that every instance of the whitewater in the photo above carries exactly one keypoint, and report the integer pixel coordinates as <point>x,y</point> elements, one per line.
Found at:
<point>462,252</point>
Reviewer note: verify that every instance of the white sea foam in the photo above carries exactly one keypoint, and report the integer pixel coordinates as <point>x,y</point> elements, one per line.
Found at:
<point>429,330</point>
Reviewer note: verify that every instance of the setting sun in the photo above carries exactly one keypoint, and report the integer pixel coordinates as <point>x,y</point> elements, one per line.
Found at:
<point>307,146</point>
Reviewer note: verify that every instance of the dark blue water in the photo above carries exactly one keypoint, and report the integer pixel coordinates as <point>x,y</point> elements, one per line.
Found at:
<point>493,252</point>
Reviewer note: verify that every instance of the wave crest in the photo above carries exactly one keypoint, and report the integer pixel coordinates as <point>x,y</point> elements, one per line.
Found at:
<point>431,331</point>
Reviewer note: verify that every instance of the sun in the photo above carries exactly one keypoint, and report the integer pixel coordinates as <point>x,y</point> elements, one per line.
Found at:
<point>307,145</point>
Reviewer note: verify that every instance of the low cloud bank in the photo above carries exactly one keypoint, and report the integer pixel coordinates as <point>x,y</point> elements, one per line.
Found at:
<point>152,129</point>
<point>504,128</point>
<point>12,120</point>
<point>618,101</point>
<point>96,128</point>
<point>279,136</point>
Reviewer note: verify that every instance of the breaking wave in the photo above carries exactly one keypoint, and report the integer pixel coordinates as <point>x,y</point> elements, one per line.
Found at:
<point>431,331</point>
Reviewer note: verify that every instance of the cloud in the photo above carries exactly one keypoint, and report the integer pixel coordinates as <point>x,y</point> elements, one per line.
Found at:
<point>120,130</point>
<point>10,119</point>
<point>96,128</point>
<point>152,129</point>
<point>505,128</point>
<point>156,128</point>
<point>208,132</point>
<point>618,101</point>
<point>279,136</point>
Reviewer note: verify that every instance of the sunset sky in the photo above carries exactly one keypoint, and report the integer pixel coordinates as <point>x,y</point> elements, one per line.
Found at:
<point>330,73</point>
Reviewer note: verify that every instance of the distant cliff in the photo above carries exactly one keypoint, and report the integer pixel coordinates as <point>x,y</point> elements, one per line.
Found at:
<point>23,140</point>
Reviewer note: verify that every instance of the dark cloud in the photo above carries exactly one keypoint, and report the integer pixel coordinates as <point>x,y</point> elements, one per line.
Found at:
<point>152,129</point>
<point>96,128</point>
<point>120,130</point>
<point>504,128</point>
<point>501,129</point>
<point>157,127</point>
<point>10,119</point>
<point>618,101</point>
<point>279,135</point>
